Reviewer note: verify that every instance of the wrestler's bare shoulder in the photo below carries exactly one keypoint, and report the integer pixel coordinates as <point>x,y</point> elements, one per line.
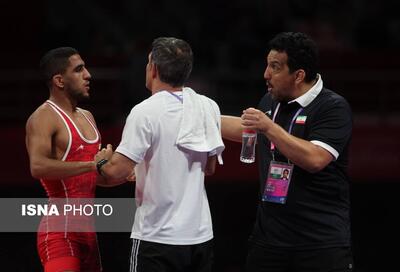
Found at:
<point>44,114</point>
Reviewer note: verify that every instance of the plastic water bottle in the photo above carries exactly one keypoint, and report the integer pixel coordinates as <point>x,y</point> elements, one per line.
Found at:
<point>249,139</point>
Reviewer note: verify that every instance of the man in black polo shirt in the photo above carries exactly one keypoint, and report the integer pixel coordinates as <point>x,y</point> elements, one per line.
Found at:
<point>302,222</point>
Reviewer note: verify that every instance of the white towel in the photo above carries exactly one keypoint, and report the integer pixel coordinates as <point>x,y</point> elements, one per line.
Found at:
<point>201,124</point>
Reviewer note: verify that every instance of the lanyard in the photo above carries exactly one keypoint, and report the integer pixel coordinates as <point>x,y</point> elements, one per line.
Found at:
<point>177,96</point>
<point>290,127</point>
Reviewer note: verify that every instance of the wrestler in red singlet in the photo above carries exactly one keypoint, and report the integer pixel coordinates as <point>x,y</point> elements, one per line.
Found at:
<point>75,251</point>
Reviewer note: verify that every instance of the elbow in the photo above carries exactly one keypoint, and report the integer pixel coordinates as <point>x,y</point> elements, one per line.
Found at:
<point>40,169</point>
<point>317,161</point>
<point>36,171</point>
<point>315,166</point>
<point>314,169</point>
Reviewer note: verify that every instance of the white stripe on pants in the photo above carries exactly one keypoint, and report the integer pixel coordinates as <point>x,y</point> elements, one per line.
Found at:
<point>134,253</point>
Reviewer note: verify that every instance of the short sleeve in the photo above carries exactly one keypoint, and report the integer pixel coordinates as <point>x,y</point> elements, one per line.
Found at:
<point>332,126</point>
<point>136,136</point>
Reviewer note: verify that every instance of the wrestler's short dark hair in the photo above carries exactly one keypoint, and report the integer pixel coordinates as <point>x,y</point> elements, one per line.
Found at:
<point>56,62</point>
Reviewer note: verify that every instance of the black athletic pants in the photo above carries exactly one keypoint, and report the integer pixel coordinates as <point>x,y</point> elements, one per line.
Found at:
<point>155,257</point>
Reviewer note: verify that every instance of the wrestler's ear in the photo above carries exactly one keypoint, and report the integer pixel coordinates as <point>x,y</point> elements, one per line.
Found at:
<point>58,81</point>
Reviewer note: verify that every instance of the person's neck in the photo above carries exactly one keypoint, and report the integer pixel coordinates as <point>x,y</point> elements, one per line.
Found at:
<point>161,86</point>
<point>63,102</point>
<point>303,88</point>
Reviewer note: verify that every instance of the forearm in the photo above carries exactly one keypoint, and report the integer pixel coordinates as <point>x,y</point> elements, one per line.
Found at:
<point>55,169</point>
<point>114,173</point>
<point>104,182</point>
<point>115,168</point>
<point>231,128</point>
<point>302,153</point>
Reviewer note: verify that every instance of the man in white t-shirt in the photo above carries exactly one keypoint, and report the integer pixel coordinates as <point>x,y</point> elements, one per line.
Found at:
<point>172,139</point>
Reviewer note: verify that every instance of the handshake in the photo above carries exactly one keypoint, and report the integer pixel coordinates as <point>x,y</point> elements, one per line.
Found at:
<point>105,163</point>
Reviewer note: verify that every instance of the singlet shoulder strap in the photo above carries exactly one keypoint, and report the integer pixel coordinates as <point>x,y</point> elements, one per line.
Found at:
<point>91,122</point>
<point>67,126</point>
<point>66,116</point>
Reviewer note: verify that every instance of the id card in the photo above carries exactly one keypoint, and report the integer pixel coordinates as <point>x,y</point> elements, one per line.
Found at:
<point>277,183</point>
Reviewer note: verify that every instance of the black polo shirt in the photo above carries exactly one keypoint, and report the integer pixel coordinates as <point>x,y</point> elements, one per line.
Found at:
<point>316,212</point>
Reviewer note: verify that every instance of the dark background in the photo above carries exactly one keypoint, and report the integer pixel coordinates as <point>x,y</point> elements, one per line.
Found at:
<point>359,45</point>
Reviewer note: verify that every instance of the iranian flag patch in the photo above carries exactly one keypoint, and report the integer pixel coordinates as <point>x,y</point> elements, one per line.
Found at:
<point>301,119</point>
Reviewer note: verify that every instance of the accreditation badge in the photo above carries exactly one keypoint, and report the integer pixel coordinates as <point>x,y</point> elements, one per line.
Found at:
<point>277,183</point>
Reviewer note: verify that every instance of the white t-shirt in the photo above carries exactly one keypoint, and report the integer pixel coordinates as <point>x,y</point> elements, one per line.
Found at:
<point>172,205</point>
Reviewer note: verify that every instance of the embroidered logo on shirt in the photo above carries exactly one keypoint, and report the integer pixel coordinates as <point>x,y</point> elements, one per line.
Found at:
<point>268,112</point>
<point>81,147</point>
<point>301,119</point>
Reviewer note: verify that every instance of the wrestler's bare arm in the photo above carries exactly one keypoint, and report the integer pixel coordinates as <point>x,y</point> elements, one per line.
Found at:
<point>42,128</point>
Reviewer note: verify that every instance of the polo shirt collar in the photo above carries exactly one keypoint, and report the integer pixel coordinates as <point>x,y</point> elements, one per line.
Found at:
<point>310,95</point>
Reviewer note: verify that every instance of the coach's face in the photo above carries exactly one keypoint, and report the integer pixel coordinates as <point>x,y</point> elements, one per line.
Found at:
<point>279,80</point>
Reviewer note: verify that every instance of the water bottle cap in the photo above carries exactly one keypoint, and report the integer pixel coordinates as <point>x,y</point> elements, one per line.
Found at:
<point>251,131</point>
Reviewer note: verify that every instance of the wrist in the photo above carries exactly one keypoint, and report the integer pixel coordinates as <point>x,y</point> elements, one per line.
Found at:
<point>93,166</point>
<point>99,165</point>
